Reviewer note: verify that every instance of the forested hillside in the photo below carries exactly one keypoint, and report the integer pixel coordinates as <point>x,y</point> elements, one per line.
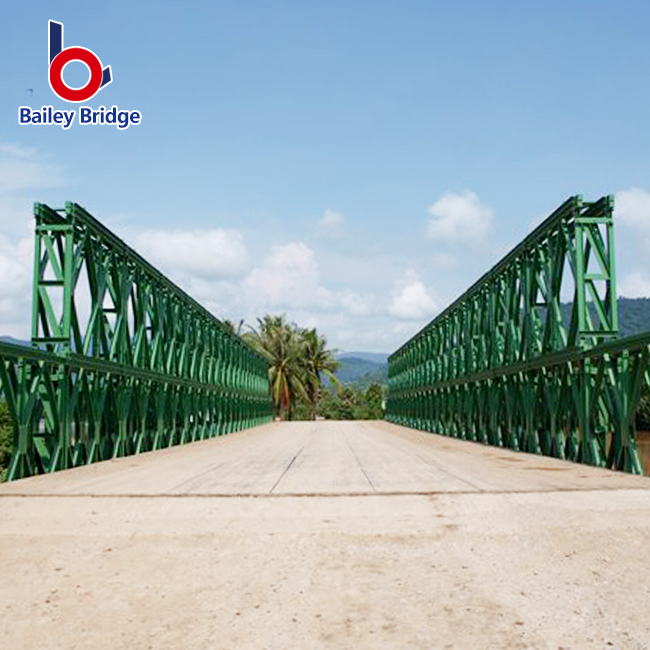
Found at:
<point>634,316</point>
<point>364,368</point>
<point>361,372</point>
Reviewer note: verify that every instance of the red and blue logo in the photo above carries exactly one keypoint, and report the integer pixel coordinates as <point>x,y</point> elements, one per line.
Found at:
<point>59,57</point>
<point>100,76</point>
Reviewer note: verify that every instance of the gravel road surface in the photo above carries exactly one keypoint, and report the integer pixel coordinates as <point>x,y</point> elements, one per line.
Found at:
<point>344,535</point>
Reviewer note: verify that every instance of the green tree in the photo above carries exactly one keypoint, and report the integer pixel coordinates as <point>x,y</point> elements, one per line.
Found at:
<point>299,360</point>
<point>643,412</point>
<point>318,362</point>
<point>280,342</point>
<point>6,438</point>
<point>351,403</point>
<point>235,328</point>
<point>375,401</point>
<point>345,403</point>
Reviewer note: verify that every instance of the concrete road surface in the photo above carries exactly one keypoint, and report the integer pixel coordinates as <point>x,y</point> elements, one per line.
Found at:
<point>326,535</point>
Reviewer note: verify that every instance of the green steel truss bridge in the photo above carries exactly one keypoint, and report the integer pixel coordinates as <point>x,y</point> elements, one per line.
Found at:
<point>503,364</point>
<point>123,361</point>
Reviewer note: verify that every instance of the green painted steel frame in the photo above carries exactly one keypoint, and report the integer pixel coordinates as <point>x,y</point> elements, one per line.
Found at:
<point>124,360</point>
<point>95,296</point>
<point>502,366</point>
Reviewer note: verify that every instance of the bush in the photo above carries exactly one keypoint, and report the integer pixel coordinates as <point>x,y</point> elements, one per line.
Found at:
<point>350,403</point>
<point>643,412</point>
<point>375,401</point>
<point>6,438</point>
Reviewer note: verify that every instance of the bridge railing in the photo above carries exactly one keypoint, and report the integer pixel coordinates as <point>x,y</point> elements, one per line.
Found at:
<point>505,365</point>
<point>123,360</point>
<point>578,405</point>
<point>96,296</point>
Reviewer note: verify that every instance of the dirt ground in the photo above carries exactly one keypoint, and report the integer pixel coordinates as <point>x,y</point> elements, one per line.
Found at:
<point>326,535</point>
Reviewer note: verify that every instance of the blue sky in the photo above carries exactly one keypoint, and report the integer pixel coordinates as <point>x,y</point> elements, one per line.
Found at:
<point>354,164</point>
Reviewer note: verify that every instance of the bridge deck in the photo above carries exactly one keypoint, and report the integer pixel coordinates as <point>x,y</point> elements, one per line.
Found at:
<point>326,535</point>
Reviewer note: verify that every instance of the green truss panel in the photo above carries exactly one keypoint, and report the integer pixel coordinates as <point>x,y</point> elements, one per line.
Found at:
<point>123,361</point>
<point>504,366</point>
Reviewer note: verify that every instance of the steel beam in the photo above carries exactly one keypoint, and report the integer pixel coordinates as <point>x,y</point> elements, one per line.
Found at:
<point>124,361</point>
<point>505,366</point>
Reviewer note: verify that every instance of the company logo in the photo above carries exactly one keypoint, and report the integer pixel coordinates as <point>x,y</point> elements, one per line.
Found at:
<point>59,57</point>
<point>100,76</point>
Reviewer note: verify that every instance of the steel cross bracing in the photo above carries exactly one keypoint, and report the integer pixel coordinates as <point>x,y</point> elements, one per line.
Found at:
<point>124,361</point>
<point>504,365</point>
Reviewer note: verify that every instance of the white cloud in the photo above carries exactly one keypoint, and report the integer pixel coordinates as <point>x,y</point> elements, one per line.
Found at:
<point>632,217</point>
<point>632,208</point>
<point>459,218</point>
<point>404,330</point>
<point>331,225</point>
<point>16,218</point>
<point>23,168</point>
<point>444,261</point>
<point>212,254</point>
<point>17,151</point>
<point>15,288</point>
<point>347,296</point>
<point>356,304</point>
<point>635,285</point>
<point>411,299</point>
<point>288,277</point>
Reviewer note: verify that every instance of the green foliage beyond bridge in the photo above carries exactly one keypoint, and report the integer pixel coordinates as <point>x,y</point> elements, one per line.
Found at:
<point>123,361</point>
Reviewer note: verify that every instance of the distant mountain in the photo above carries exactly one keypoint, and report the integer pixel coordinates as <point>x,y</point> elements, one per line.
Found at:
<point>11,339</point>
<point>364,368</point>
<point>374,357</point>
<point>633,316</point>
<point>362,372</point>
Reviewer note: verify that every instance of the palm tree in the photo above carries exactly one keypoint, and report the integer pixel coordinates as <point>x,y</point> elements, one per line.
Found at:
<point>317,361</point>
<point>298,361</point>
<point>234,328</point>
<point>280,343</point>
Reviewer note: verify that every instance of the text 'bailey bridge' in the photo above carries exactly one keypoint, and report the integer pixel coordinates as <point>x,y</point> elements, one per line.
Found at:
<point>123,361</point>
